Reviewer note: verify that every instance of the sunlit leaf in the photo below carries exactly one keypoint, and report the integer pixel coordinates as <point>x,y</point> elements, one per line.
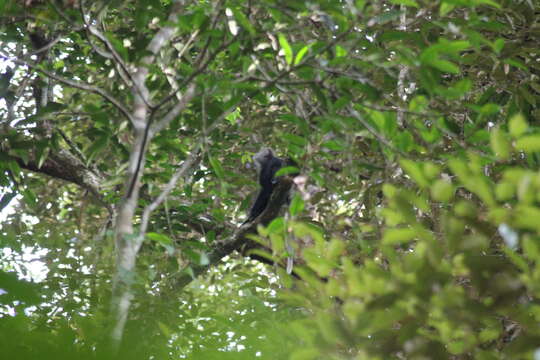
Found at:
<point>442,190</point>
<point>303,51</point>
<point>517,125</point>
<point>160,238</point>
<point>286,48</point>
<point>297,205</point>
<point>500,144</point>
<point>411,3</point>
<point>529,143</point>
<point>399,236</point>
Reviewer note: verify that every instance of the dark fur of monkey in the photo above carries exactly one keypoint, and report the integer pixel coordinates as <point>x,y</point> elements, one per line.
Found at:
<point>267,166</point>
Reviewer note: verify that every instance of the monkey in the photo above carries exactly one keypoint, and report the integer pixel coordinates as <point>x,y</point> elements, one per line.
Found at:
<point>267,166</point>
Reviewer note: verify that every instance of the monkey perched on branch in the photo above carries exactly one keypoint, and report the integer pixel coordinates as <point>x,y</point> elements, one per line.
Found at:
<point>267,166</point>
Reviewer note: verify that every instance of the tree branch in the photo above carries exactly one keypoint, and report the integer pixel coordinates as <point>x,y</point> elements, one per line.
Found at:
<point>65,166</point>
<point>189,94</point>
<point>74,84</point>
<point>128,245</point>
<point>240,241</point>
<point>186,165</point>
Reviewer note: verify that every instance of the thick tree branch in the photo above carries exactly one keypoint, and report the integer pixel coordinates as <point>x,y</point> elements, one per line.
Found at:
<point>240,241</point>
<point>128,245</point>
<point>65,166</point>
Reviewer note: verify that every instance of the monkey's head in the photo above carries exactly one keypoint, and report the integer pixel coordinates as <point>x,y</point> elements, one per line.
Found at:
<point>264,156</point>
<point>267,165</point>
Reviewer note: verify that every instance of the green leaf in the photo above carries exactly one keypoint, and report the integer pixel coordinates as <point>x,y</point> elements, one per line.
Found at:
<point>531,249</point>
<point>43,156</point>
<point>233,116</point>
<point>99,144</point>
<point>389,190</point>
<point>431,170</point>
<point>505,191</point>
<point>516,63</point>
<point>335,248</point>
<point>58,65</point>
<point>244,21</point>
<point>526,190</point>
<point>453,47</point>
<point>304,229</point>
<point>398,236</point>
<point>307,352</point>
<point>160,238</point>
<point>442,190</point>
<point>117,45</point>
<point>500,144</point>
<point>517,125</point>
<point>498,45</point>
<point>303,51</point>
<point>216,166</point>
<point>360,4</point>
<point>297,205</point>
<point>445,66</point>
<point>29,197</point>
<point>526,217</point>
<point>287,171</point>
<point>414,170</point>
<point>446,8</point>
<point>419,103</point>
<point>340,51</point>
<point>277,226</point>
<point>405,2</point>
<point>487,2</point>
<point>295,139</point>
<point>529,144</point>
<point>465,209</point>
<point>489,109</point>
<point>320,264</point>
<point>335,145</point>
<point>286,48</point>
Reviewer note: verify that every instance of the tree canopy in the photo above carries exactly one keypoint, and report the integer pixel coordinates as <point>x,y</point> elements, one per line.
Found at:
<point>127,133</point>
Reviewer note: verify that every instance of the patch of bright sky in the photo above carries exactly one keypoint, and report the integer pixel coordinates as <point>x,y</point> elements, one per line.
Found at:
<point>28,264</point>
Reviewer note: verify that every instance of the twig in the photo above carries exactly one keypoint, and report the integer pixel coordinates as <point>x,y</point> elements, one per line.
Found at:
<point>199,70</point>
<point>72,146</point>
<point>403,70</point>
<point>186,165</point>
<point>170,72</point>
<point>217,14</point>
<point>290,82</point>
<point>112,54</point>
<point>400,109</point>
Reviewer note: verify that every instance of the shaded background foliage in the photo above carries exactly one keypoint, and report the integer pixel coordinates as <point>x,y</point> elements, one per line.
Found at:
<point>416,235</point>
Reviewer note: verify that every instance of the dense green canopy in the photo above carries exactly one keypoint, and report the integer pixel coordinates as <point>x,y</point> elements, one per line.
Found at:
<point>127,132</point>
